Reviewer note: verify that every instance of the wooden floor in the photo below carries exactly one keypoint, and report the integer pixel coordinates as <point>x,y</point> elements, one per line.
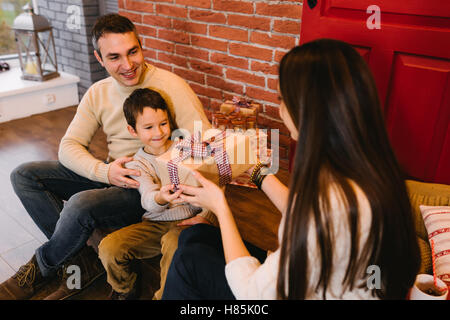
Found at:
<point>37,138</point>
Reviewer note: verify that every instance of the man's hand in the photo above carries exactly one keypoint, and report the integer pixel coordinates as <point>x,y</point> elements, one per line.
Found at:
<point>117,174</point>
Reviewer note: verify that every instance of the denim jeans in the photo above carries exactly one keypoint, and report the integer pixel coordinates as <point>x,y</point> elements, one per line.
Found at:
<point>197,271</point>
<point>42,188</point>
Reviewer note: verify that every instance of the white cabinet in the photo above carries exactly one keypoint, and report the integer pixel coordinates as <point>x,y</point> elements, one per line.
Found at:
<point>22,98</point>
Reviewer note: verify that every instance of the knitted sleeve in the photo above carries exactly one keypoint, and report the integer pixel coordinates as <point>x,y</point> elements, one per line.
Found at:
<point>250,280</point>
<point>149,185</point>
<point>73,150</point>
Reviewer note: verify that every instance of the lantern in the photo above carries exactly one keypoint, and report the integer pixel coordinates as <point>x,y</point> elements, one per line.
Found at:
<point>35,45</point>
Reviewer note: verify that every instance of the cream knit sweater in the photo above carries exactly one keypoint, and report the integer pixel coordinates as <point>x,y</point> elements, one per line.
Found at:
<point>250,280</point>
<point>102,106</point>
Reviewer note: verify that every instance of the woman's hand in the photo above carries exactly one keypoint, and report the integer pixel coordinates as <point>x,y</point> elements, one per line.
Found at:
<point>165,195</point>
<point>208,196</point>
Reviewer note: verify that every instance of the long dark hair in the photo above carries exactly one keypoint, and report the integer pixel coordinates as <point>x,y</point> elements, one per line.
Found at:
<point>331,96</point>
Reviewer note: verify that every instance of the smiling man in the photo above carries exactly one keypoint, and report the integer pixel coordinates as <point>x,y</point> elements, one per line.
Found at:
<point>69,198</point>
<point>126,66</point>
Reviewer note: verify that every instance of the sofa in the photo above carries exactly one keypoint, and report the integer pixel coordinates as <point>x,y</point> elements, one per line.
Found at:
<point>430,194</point>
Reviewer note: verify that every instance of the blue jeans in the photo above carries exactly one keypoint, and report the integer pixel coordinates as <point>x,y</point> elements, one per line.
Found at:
<point>43,186</point>
<point>197,271</point>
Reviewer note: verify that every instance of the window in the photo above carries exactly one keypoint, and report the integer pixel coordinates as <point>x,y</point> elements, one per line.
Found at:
<point>9,10</point>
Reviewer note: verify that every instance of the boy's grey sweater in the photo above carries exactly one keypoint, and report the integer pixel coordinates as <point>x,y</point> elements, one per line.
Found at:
<point>149,185</point>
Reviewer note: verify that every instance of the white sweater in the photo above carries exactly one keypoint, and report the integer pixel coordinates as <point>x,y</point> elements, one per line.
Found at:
<point>248,279</point>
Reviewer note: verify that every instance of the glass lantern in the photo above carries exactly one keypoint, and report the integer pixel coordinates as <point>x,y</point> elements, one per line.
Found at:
<point>35,45</point>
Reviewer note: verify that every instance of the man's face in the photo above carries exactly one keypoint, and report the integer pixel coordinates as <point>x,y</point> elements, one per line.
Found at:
<point>122,57</point>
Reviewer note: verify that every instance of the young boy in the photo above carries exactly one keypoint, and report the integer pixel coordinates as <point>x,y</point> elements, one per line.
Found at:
<point>150,120</point>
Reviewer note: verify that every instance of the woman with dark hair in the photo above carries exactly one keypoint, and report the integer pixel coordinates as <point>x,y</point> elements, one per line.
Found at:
<point>346,208</point>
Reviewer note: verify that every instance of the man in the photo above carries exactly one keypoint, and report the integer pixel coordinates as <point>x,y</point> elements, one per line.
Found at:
<point>98,194</point>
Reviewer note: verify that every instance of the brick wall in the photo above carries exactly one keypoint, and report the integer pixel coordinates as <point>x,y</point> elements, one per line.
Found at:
<point>222,48</point>
<point>73,45</point>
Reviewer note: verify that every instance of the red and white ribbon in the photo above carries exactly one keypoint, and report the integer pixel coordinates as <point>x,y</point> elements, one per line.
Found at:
<point>198,149</point>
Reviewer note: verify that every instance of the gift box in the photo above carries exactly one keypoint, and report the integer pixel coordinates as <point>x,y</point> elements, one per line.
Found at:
<point>237,114</point>
<point>241,107</point>
<point>244,179</point>
<point>220,157</point>
<point>258,141</point>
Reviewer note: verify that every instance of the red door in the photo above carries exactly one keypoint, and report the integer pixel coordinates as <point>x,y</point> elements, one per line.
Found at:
<point>409,56</point>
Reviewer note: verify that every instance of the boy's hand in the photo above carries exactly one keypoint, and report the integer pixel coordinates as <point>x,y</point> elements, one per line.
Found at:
<point>117,174</point>
<point>165,195</point>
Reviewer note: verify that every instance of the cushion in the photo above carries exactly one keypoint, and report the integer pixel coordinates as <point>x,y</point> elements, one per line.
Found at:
<point>430,194</point>
<point>437,223</point>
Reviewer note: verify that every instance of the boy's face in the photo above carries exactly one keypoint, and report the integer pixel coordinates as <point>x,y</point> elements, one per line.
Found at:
<point>153,129</point>
<point>122,57</point>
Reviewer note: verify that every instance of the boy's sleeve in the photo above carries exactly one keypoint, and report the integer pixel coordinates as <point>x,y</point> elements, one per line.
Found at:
<point>148,186</point>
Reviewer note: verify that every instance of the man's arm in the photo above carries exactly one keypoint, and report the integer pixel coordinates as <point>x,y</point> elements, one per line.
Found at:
<point>191,109</point>
<point>182,101</point>
<point>73,150</point>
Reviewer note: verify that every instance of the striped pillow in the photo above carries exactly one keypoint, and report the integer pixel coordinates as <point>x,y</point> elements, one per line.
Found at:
<point>437,222</point>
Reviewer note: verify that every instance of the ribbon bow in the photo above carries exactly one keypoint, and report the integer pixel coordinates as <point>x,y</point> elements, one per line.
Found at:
<point>196,148</point>
<point>238,104</point>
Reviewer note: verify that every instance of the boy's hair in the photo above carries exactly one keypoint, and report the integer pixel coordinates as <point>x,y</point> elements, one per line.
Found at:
<point>111,23</point>
<point>144,98</point>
